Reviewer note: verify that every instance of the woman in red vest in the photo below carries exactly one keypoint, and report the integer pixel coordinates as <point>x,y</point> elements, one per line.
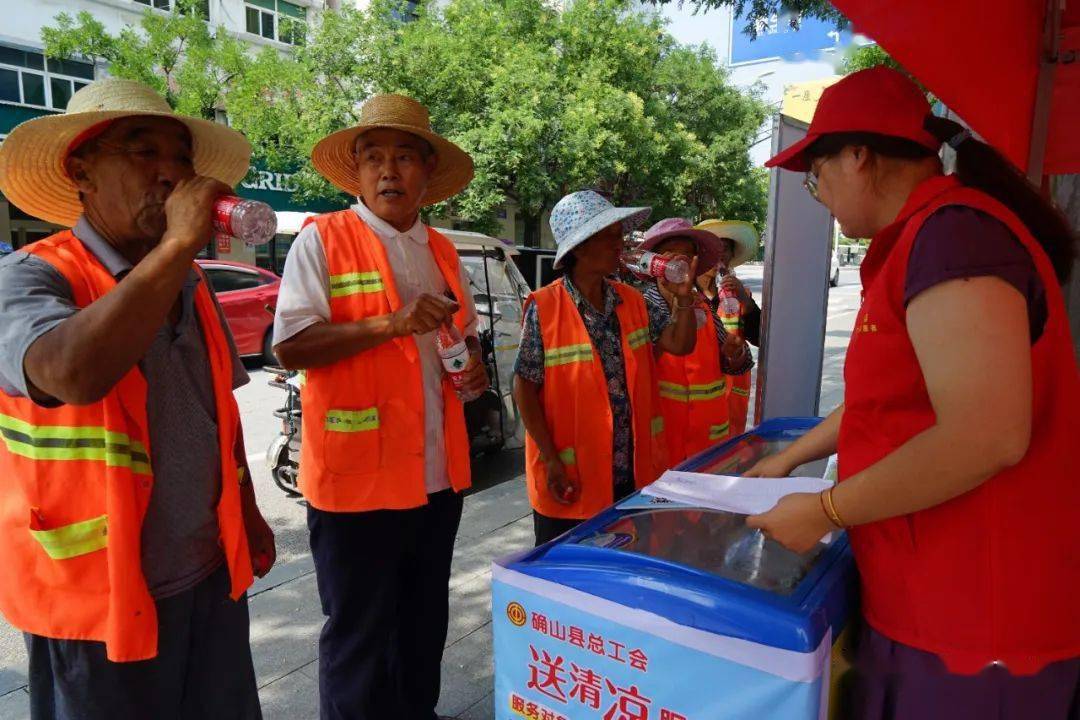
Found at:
<point>957,439</point>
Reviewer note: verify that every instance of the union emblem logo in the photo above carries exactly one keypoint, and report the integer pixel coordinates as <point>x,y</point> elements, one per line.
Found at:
<point>516,613</point>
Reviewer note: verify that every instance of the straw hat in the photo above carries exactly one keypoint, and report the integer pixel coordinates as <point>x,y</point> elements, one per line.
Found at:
<point>743,234</point>
<point>32,157</point>
<point>334,159</point>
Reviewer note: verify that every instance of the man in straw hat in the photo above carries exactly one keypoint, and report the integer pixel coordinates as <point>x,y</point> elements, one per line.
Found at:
<point>385,453</point>
<point>130,527</point>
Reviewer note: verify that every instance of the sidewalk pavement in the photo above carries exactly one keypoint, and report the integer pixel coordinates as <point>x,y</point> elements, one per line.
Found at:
<point>286,619</point>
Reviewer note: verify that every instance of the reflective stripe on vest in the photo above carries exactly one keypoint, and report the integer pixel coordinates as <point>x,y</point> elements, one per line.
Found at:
<point>717,432</point>
<point>657,425</point>
<point>637,338</point>
<point>691,393</point>
<point>57,442</point>
<point>568,354</point>
<point>744,392</point>
<point>352,420</point>
<point>355,282</point>
<point>568,456</point>
<point>73,540</point>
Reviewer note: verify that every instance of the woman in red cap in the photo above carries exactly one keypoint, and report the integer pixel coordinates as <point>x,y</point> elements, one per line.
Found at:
<point>958,436</point>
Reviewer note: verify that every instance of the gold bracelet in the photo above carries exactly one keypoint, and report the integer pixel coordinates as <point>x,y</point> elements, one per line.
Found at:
<point>821,497</point>
<point>834,515</point>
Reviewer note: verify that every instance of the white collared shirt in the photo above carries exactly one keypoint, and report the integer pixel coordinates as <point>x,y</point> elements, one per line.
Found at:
<point>304,299</point>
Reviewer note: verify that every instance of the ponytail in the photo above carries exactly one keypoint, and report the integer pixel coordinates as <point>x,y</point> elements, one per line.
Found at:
<point>980,166</point>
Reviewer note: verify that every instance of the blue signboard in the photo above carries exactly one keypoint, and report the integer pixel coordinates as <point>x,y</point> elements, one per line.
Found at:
<point>777,39</point>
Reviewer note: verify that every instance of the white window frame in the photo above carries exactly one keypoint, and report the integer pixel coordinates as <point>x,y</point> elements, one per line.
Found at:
<point>47,76</point>
<point>278,16</point>
<point>150,4</point>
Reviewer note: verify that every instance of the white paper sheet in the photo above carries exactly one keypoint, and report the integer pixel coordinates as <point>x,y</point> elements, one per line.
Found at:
<point>729,493</point>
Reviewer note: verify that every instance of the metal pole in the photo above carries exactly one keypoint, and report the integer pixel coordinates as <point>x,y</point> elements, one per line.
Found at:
<point>494,336</point>
<point>1044,90</point>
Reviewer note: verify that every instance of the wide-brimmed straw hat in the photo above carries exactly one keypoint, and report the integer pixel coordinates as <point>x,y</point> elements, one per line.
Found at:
<point>580,215</point>
<point>334,156</point>
<point>743,234</point>
<point>32,173</point>
<point>707,244</point>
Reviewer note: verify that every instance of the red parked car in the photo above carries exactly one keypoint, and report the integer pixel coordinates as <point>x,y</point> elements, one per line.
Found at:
<point>245,292</point>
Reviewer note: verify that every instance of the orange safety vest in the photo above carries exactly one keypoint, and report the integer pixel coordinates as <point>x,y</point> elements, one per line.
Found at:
<point>77,482</point>
<point>577,408</point>
<point>738,401</point>
<point>694,395</point>
<point>363,432</point>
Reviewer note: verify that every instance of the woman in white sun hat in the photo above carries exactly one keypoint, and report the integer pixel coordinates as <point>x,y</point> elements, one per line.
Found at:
<point>738,244</point>
<point>130,529</point>
<point>585,374</point>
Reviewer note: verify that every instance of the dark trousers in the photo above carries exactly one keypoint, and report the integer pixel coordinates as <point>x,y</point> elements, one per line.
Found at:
<point>893,681</point>
<point>203,669</point>
<point>383,581</point>
<point>547,528</point>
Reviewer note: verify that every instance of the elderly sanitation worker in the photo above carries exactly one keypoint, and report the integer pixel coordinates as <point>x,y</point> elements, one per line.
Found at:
<point>694,391</point>
<point>738,244</point>
<point>957,439</point>
<point>586,372</point>
<point>126,508</point>
<point>385,454</point>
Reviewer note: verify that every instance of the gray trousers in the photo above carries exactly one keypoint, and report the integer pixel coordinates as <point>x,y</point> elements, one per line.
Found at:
<point>203,670</point>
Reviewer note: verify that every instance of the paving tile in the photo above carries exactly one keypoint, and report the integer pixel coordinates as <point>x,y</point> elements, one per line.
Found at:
<point>285,625</point>
<point>293,697</point>
<point>467,672</point>
<point>15,706</point>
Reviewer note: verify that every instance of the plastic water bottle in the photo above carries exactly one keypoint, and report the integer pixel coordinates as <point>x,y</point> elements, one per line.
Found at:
<point>701,316</point>
<point>252,221</point>
<point>454,354</point>
<point>644,262</point>
<point>730,309</point>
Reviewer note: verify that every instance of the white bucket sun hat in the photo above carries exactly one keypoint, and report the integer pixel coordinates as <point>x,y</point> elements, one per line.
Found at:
<point>32,174</point>
<point>579,216</point>
<point>334,156</point>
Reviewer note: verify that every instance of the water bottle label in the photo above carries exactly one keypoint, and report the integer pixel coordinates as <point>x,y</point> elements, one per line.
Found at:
<point>455,364</point>
<point>658,266</point>
<point>223,210</point>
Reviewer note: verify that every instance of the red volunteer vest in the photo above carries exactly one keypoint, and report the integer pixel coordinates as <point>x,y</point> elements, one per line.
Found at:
<point>363,431</point>
<point>76,485</point>
<point>993,575</point>
<point>577,408</point>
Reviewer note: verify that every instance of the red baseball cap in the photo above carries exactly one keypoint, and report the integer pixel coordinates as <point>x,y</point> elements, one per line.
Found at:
<point>878,100</point>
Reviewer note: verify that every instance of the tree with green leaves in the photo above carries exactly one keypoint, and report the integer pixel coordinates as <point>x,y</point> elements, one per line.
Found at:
<point>598,95</point>
<point>176,53</point>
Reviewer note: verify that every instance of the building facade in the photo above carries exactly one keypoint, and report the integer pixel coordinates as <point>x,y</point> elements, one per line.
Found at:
<point>31,85</point>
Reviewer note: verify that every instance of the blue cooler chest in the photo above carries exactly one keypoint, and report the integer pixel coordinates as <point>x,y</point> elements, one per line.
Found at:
<point>655,610</point>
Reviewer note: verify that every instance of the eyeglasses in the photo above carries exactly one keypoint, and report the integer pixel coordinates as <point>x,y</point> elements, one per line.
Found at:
<point>810,182</point>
